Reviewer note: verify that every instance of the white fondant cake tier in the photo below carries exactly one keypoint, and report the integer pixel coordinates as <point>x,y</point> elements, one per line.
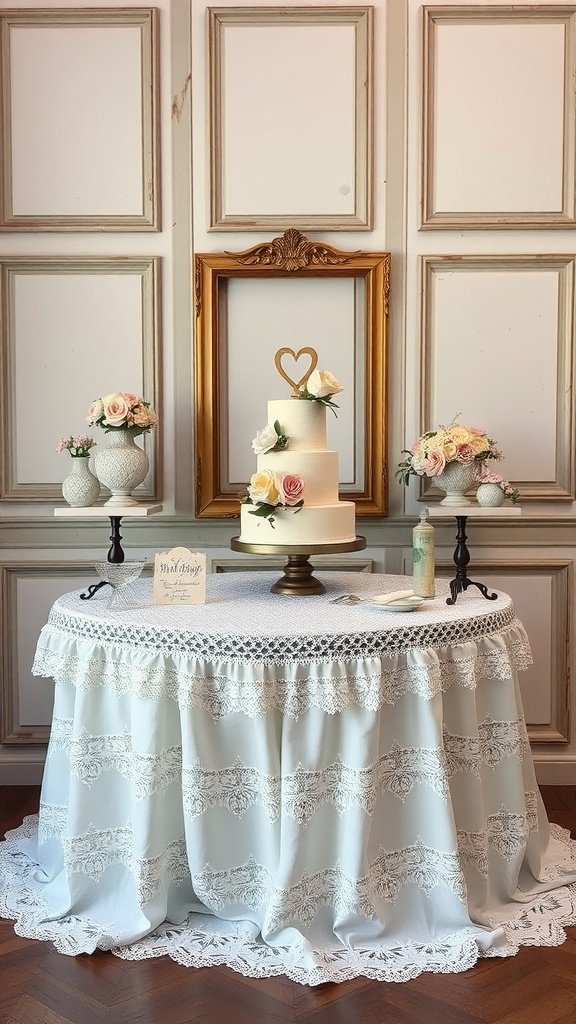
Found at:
<point>329,524</point>
<point>303,422</point>
<point>319,471</point>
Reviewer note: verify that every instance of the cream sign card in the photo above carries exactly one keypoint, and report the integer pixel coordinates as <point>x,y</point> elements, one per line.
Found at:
<point>179,577</point>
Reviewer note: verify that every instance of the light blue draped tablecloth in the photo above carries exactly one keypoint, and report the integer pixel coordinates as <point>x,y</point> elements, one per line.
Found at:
<point>289,786</point>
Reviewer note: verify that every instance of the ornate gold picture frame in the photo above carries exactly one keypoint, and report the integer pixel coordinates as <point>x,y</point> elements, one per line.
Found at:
<point>290,256</point>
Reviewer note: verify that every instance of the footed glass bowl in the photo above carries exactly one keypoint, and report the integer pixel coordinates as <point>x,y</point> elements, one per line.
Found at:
<point>120,575</point>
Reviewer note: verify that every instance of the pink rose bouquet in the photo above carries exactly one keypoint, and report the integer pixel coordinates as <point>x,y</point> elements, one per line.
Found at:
<point>486,476</point>
<point>432,451</point>
<point>79,446</point>
<point>271,492</point>
<point>122,410</point>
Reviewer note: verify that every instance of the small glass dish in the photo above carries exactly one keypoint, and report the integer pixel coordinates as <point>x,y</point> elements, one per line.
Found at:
<point>120,576</point>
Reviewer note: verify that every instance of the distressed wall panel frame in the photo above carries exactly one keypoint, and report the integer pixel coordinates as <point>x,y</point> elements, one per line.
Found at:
<point>11,573</point>
<point>289,256</point>
<point>146,165</point>
<point>560,572</point>
<point>223,19</point>
<point>563,487</point>
<point>434,18</point>
<point>147,269</point>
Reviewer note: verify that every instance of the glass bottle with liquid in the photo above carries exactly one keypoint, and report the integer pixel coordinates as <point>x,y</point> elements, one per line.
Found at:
<point>423,557</point>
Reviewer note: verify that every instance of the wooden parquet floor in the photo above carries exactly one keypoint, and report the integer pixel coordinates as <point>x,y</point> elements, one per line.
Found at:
<point>41,986</point>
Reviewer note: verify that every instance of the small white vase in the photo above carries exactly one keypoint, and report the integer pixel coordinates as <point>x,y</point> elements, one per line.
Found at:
<point>121,466</point>
<point>490,495</point>
<point>457,478</point>
<point>80,488</point>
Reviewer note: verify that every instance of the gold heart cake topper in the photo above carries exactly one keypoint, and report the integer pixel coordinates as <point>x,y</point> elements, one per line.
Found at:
<point>296,385</point>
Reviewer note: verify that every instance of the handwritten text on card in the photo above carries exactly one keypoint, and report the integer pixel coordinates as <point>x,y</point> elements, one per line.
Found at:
<point>179,577</point>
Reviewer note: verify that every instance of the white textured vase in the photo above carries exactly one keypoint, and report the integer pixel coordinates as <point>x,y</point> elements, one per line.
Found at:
<point>80,488</point>
<point>121,466</point>
<point>490,495</point>
<point>457,478</point>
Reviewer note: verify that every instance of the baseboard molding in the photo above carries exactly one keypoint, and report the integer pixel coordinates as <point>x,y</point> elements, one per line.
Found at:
<point>21,773</point>
<point>551,772</point>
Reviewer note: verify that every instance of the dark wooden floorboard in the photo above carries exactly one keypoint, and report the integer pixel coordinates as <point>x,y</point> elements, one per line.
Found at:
<point>40,986</point>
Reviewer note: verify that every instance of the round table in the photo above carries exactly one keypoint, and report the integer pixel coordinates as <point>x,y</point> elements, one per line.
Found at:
<point>289,786</point>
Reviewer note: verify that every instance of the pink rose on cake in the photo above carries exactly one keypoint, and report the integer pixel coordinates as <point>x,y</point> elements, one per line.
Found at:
<point>292,489</point>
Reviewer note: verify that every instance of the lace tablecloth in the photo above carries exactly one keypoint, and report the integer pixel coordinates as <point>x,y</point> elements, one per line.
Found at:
<point>289,786</point>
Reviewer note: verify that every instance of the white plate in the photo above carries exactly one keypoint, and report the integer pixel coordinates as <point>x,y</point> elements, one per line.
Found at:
<point>407,604</point>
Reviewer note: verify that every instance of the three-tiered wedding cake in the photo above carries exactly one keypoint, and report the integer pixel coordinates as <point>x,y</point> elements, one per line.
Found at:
<point>293,496</point>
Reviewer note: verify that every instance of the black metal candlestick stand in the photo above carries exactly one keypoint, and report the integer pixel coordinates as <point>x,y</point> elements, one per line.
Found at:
<point>115,555</point>
<point>461,582</point>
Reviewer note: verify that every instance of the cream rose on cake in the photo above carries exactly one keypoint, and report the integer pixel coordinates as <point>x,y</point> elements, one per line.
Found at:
<point>265,486</point>
<point>321,386</point>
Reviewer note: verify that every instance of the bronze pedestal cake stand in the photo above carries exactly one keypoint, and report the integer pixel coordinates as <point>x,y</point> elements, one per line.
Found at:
<point>298,579</point>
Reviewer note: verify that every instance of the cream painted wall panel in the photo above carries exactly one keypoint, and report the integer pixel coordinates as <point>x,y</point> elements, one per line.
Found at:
<point>506,324</point>
<point>541,589</point>
<point>87,327</point>
<point>507,156</point>
<point>28,592</point>
<point>34,696</point>
<point>490,332</point>
<point>84,330</point>
<point>532,596</point>
<point>276,122</point>
<point>75,148</point>
<point>312,170</point>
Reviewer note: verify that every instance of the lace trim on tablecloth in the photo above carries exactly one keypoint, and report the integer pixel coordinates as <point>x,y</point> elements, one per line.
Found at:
<point>505,832</point>
<point>299,793</point>
<point>89,756</point>
<point>209,942</point>
<point>495,741</point>
<point>227,689</point>
<point>276,649</point>
<point>251,884</point>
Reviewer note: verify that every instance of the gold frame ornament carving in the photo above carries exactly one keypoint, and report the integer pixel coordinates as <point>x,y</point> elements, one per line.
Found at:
<point>290,255</point>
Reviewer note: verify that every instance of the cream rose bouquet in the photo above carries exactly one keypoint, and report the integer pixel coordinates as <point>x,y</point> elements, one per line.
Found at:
<point>434,450</point>
<point>122,410</point>
<point>271,492</point>
<point>321,386</point>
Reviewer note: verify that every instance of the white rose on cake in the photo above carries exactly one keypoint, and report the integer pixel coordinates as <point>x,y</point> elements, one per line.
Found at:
<point>322,384</point>
<point>269,439</point>
<point>265,440</point>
